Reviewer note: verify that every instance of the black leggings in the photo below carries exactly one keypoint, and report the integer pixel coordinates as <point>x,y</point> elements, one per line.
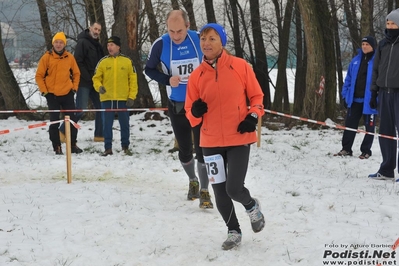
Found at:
<point>236,164</point>
<point>182,130</point>
<point>65,102</point>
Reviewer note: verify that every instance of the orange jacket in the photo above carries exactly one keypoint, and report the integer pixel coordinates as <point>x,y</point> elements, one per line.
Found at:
<point>225,90</point>
<point>57,74</point>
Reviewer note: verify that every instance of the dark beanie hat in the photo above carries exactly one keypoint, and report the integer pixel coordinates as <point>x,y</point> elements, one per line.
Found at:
<point>394,16</point>
<point>114,39</point>
<point>370,40</point>
<point>219,29</point>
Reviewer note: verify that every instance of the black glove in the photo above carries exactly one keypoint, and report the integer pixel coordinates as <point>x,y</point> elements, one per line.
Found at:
<point>373,100</point>
<point>199,108</point>
<point>129,103</point>
<point>248,124</point>
<point>49,95</point>
<point>102,90</point>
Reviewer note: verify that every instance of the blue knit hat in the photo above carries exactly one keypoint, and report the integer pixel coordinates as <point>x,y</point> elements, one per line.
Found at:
<point>219,29</point>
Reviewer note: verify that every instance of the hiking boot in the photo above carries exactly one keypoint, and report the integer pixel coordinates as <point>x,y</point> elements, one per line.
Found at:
<point>364,155</point>
<point>62,137</point>
<point>76,149</point>
<point>233,240</point>
<point>98,139</point>
<point>107,152</point>
<point>205,200</point>
<point>193,190</point>
<point>378,176</point>
<point>58,150</point>
<point>127,151</point>
<point>256,217</point>
<point>343,153</point>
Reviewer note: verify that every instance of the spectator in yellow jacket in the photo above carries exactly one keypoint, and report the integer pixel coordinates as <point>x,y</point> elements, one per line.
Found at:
<point>116,81</point>
<point>57,77</point>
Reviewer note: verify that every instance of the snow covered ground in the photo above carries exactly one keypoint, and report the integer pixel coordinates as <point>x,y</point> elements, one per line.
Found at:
<point>132,210</point>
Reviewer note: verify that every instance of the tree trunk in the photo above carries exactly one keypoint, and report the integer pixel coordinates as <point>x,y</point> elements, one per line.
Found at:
<point>330,89</point>
<point>175,4</point>
<point>188,5</point>
<point>260,64</point>
<point>313,106</point>
<point>126,26</point>
<point>96,14</point>
<point>251,58</point>
<point>11,97</point>
<point>154,34</point>
<point>45,23</point>
<point>350,12</point>
<point>337,48</point>
<point>366,20</point>
<point>210,11</point>
<point>234,23</point>
<point>284,35</point>
<point>301,64</point>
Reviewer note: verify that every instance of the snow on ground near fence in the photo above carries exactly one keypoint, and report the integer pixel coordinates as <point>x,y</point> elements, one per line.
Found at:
<point>132,210</point>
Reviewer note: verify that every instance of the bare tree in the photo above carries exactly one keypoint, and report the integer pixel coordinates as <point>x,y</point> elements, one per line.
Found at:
<point>260,64</point>
<point>350,13</point>
<point>337,45</point>
<point>154,34</point>
<point>126,26</point>
<point>210,11</point>
<point>313,106</point>
<point>284,26</point>
<point>301,64</point>
<point>11,97</point>
<point>366,20</point>
<point>96,14</point>
<point>45,23</point>
<point>330,87</point>
<point>235,26</point>
<point>175,4</point>
<point>188,6</point>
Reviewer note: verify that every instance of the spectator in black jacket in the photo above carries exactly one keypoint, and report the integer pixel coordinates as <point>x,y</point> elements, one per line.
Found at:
<point>385,85</point>
<point>88,52</point>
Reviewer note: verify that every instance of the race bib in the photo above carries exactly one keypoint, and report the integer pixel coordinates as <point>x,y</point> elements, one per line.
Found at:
<point>183,68</point>
<point>215,168</point>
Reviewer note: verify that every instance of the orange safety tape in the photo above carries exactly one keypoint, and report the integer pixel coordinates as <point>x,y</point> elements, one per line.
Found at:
<point>41,124</point>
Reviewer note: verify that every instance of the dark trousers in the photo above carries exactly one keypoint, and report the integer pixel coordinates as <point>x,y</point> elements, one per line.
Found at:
<point>236,165</point>
<point>353,117</point>
<point>66,102</point>
<point>108,121</point>
<point>182,130</point>
<point>388,109</point>
<point>82,102</point>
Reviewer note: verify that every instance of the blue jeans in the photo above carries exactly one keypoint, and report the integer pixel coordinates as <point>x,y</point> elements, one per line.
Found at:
<point>82,102</point>
<point>108,121</point>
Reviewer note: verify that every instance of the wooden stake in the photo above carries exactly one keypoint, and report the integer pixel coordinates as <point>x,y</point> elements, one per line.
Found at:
<point>68,148</point>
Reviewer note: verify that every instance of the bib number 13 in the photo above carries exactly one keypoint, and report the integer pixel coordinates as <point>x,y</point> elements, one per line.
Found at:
<point>215,168</point>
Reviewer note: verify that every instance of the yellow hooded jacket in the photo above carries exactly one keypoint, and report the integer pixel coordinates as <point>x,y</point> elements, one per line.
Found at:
<point>57,74</point>
<point>117,75</point>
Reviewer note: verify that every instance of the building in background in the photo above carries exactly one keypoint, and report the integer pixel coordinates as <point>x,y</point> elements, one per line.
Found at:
<point>9,40</point>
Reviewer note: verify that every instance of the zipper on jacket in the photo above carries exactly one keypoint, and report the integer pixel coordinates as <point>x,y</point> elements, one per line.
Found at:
<point>389,61</point>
